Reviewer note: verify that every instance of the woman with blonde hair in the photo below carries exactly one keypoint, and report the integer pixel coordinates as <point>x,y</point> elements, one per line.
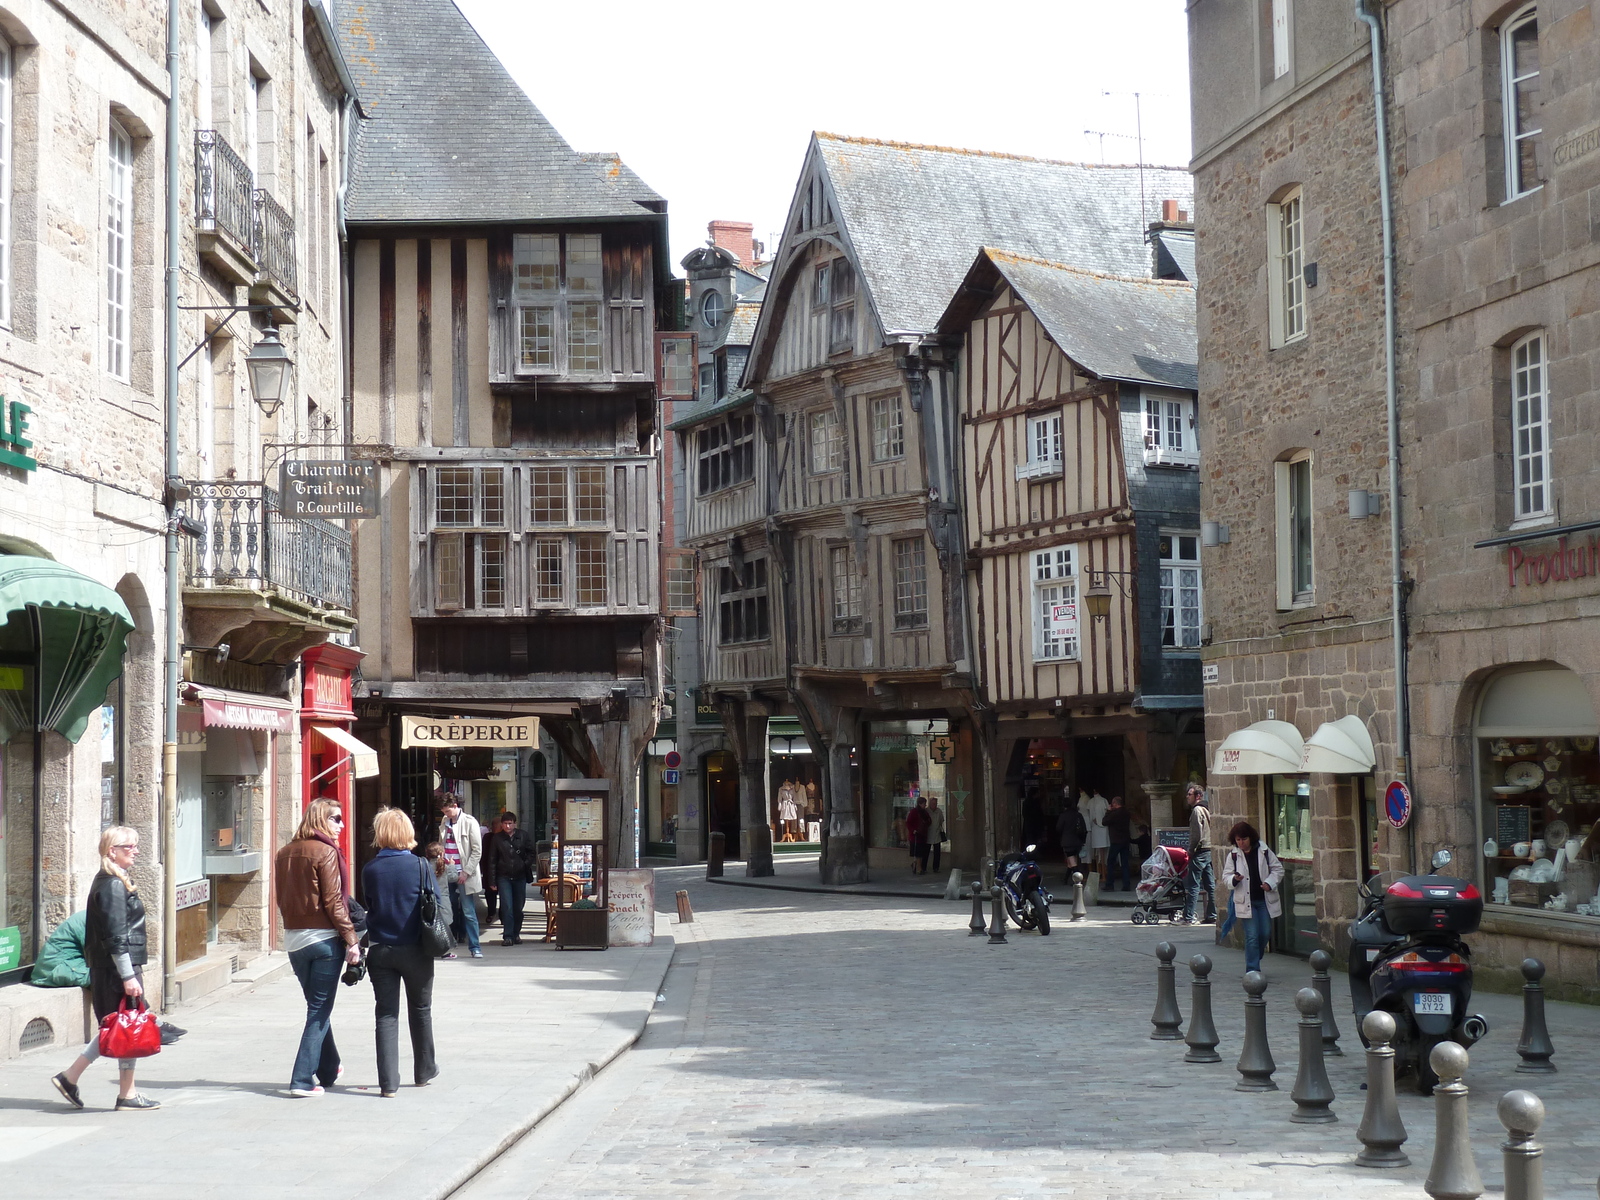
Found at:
<point>116,949</point>
<point>393,883</point>
<point>311,884</point>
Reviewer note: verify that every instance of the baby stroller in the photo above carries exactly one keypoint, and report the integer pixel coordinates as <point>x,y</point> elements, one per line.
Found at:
<point>1163,886</point>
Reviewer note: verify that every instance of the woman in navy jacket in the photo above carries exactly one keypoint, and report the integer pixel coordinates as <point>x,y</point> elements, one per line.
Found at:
<point>392,886</point>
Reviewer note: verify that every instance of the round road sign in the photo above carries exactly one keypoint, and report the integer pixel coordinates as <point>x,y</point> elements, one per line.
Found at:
<point>1397,804</point>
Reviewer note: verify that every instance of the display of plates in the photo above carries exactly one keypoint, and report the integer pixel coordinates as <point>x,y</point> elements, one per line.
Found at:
<point>1491,849</point>
<point>1527,774</point>
<point>1509,789</point>
<point>1585,744</point>
<point>1552,764</point>
<point>1554,746</point>
<point>1555,834</point>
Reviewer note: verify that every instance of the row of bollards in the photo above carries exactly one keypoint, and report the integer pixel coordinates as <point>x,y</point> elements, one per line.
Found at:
<point>1453,1174</point>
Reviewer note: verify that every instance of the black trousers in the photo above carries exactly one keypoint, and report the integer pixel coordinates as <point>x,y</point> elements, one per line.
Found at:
<point>389,967</point>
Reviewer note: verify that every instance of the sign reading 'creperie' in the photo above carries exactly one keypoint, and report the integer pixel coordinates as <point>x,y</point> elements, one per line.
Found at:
<point>1528,567</point>
<point>431,733</point>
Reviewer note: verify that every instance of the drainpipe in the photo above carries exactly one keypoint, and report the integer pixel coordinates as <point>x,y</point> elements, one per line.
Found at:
<point>1397,597</point>
<point>169,737</point>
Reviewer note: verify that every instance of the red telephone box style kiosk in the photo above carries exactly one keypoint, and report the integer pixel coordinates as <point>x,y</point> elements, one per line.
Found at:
<point>331,758</point>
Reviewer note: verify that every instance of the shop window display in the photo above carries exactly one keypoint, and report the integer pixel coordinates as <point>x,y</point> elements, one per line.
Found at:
<point>796,800</point>
<point>900,771</point>
<point>1541,821</point>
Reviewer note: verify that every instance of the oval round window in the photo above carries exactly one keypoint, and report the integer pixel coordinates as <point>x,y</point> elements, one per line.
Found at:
<point>711,309</point>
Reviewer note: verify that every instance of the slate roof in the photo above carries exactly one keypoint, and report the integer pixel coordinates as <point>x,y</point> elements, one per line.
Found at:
<point>1179,248</point>
<point>1139,330</point>
<point>740,328</point>
<point>449,138</point>
<point>916,214</point>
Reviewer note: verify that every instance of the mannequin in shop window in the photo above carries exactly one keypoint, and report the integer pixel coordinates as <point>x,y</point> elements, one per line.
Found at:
<point>788,810</point>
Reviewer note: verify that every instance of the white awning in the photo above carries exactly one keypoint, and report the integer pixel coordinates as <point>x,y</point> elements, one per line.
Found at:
<point>1265,748</point>
<point>363,756</point>
<point>1342,747</point>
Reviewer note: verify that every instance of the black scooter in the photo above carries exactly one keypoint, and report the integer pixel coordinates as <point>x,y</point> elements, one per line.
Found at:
<point>1022,884</point>
<point>1407,958</point>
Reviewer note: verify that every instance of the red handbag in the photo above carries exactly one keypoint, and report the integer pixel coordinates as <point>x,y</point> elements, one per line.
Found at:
<point>130,1033</point>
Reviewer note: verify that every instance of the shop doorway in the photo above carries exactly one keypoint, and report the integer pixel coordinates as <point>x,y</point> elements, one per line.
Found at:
<point>722,800</point>
<point>1044,785</point>
<point>1288,833</point>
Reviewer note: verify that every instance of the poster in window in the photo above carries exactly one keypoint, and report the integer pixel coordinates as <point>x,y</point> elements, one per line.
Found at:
<point>1063,618</point>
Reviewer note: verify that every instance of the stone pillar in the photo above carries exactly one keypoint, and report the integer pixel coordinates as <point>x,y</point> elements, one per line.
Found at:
<point>619,729</point>
<point>846,859</point>
<point>745,722</point>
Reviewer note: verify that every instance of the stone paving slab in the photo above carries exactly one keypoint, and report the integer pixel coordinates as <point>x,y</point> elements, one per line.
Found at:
<point>516,1033</point>
<point>840,1046</point>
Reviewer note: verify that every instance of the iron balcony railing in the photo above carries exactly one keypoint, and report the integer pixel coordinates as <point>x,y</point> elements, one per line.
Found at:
<point>224,189</point>
<point>244,542</point>
<point>274,241</point>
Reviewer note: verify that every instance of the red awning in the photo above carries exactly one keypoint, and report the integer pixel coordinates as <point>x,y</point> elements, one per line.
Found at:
<point>222,709</point>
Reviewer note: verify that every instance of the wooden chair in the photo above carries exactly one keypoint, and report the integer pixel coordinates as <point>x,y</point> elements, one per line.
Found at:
<point>556,892</point>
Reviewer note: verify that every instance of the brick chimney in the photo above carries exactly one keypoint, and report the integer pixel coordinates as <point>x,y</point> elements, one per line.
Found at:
<point>735,238</point>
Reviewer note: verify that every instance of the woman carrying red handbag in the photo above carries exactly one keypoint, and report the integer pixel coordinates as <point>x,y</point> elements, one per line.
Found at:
<point>116,949</point>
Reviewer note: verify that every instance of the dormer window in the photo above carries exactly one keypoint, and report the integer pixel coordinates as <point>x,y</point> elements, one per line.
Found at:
<point>712,307</point>
<point>557,288</point>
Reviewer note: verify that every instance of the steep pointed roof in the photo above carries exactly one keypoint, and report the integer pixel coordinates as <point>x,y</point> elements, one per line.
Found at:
<point>449,138</point>
<point>916,214</point>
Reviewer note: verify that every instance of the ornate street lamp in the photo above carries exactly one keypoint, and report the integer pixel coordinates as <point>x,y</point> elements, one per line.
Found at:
<point>269,365</point>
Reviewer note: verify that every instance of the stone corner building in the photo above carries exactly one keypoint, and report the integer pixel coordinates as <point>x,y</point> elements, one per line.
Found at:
<point>1495,364</point>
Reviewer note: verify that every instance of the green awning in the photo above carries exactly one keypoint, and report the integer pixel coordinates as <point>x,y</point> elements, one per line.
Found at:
<point>66,627</point>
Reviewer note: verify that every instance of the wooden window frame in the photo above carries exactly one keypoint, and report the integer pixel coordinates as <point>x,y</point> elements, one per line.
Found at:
<point>726,462</point>
<point>892,444</point>
<point>119,251</point>
<point>831,459</point>
<point>819,285</point>
<point>679,568</point>
<point>538,561</point>
<point>910,564</point>
<point>1286,293</point>
<point>1169,429</point>
<point>744,614</point>
<point>1054,576</point>
<point>1512,88</point>
<point>845,590</point>
<point>1278,34</point>
<point>1033,465</point>
<point>1295,479</point>
<point>464,542</point>
<point>677,368</point>
<point>1532,494</point>
<point>841,307</point>
<point>708,383</point>
<point>1177,633</point>
<point>565,295</point>
<point>584,545</point>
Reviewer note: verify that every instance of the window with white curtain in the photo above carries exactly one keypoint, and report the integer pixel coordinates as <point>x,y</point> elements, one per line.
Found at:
<point>1055,604</point>
<point>1530,429</point>
<point>1042,451</point>
<point>1180,590</point>
<point>119,247</point>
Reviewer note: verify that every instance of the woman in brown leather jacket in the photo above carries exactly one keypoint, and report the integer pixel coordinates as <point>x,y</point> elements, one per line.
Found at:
<point>311,884</point>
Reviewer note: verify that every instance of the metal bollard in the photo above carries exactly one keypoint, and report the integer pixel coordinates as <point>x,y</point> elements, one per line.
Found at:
<point>716,849</point>
<point>1535,1047</point>
<point>1453,1175</point>
<point>1079,909</point>
<point>685,911</point>
<point>1255,1060</point>
<point>1522,1113</point>
<point>1312,1094</point>
<point>997,917</point>
<point>975,927</point>
<point>1321,960</point>
<point>1166,1018</point>
<point>1381,1131</point>
<point>1202,1039</point>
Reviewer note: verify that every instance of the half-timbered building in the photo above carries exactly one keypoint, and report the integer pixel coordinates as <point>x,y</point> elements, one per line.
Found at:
<point>1080,506</point>
<point>507,291</point>
<point>834,560</point>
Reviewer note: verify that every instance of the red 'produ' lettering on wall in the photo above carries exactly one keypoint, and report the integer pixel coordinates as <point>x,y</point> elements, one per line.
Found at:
<point>1564,562</point>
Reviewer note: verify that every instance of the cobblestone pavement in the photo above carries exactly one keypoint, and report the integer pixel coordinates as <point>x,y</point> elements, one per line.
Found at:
<point>827,1046</point>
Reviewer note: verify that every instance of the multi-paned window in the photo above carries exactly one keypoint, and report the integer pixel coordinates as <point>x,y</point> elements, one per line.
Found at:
<point>681,578</point>
<point>708,381</point>
<point>592,552</point>
<point>470,538</point>
<point>819,287</point>
<point>556,282</point>
<point>726,453</point>
<point>1180,590</point>
<point>550,571</point>
<point>1042,451</point>
<point>742,612</point>
<point>1169,430</point>
<point>846,590</point>
<point>119,247</point>
<point>1519,101</point>
<point>910,583</point>
<point>712,306</point>
<point>1287,300</point>
<point>888,428</point>
<point>827,441</point>
<point>1296,573</point>
<point>841,289</point>
<point>1530,429</point>
<point>1055,604</point>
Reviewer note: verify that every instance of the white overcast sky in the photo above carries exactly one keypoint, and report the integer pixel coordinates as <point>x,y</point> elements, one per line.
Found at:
<point>712,103</point>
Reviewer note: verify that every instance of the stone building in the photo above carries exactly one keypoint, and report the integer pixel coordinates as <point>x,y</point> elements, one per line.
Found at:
<point>1493,170</point>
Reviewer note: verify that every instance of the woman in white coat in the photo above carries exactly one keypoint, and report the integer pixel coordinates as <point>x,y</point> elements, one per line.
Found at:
<point>1254,873</point>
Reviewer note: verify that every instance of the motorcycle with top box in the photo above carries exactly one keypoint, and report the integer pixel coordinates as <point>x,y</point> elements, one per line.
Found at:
<point>1408,958</point>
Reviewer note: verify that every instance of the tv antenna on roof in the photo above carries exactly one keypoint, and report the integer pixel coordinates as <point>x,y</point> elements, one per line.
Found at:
<point>1103,134</point>
<point>1138,124</point>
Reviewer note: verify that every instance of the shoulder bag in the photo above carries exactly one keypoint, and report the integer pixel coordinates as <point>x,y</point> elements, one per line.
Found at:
<point>435,934</point>
<point>130,1033</point>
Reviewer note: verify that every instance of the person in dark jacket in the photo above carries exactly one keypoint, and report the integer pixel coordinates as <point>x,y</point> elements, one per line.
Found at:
<point>309,883</point>
<point>917,835</point>
<point>392,884</point>
<point>1072,831</point>
<point>1119,829</point>
<point>116,949</point>
<point>508,861</point>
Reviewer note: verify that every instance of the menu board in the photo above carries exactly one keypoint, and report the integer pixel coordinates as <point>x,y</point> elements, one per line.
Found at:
<point>1512,824</point>
<point>584,819</point>
<point>633,906</point>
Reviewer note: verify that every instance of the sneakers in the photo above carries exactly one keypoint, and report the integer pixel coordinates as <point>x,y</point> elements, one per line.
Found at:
<point>171,1033</point>
<point>477,954</point>
<point>69,1091</point>
<point>451,954</point>
<point>300,1093</point>
<point>140,1103</point>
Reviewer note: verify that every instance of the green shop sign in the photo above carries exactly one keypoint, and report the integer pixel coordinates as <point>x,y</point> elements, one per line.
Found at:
<point>10,948</point>
<point>14,441</point>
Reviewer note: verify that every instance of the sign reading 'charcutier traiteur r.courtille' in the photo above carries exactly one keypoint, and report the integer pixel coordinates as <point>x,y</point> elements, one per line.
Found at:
<point>435,733</point>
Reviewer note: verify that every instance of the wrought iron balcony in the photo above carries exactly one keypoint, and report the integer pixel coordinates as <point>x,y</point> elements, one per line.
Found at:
<point>245,543</point>
<point>224,206</point>
<point>274,243</point>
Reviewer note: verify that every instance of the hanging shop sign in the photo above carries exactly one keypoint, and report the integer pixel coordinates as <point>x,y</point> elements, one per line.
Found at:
<point>431,733</point>
<point>1397,804</point>
<point>14,442</point>
<point>193,895</point>
<point>942,749</point>
<point>332,490</point>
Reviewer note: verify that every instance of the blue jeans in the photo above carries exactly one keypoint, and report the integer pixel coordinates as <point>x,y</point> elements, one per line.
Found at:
<point>1257,931</point>
<point>1119,852</point>
<point>513,895</point>
<point>1202,881</point>
<point>466,914</point>
<point>317,967</point>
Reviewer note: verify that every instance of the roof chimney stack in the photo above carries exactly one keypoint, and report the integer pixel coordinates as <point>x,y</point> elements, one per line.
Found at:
<point>735,237</point>
<point>1170,213</point>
